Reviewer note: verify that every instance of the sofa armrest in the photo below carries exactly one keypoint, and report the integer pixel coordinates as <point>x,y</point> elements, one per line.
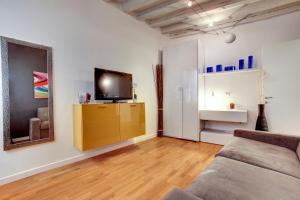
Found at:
<point>178,194</point>
<point>287,141</point>
<point>34,128</point>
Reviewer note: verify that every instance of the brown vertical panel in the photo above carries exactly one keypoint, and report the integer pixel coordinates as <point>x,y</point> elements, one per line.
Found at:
<point>159,88</point>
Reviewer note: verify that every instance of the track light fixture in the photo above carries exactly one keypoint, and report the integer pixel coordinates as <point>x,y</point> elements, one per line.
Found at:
<point>228,37</point>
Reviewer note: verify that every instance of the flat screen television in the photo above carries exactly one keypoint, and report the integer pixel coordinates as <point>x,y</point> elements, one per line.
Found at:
<point>112,85</point>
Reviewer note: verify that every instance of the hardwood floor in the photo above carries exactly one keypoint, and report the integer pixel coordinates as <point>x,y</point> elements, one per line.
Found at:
<point>144,171</point>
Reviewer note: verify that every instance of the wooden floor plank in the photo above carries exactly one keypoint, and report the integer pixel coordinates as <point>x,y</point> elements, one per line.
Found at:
<point>145,171</point>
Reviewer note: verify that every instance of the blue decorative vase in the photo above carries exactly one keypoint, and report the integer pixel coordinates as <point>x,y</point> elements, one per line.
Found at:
<point>219,68</point>
<point>209,69</point>
<point>229,68</point>
<point>241,64</point>
<point>250,62</point>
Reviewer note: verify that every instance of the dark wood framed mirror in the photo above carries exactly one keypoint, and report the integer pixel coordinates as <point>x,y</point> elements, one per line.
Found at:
<point>27,93</point>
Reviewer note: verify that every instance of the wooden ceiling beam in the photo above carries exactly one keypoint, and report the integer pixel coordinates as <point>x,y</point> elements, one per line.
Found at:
<point>152,7</point>
<point>247,10</point>
<point>262,15</point>
<point>253,17</point>
<point>130,6</point>
<point>197,7</point>
<point>179,23</point>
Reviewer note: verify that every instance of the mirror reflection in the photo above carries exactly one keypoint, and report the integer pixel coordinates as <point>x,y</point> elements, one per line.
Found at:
<point>29,98</point>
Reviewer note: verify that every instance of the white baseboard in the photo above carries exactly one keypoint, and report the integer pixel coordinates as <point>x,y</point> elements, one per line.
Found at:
<point>83,156</point>
<point>144,138</point>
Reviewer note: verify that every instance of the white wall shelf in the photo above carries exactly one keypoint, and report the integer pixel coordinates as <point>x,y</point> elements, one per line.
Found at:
<point>229,116</point>
<point>231,72</point>
<point>238,116</point>
<point>217,90</point>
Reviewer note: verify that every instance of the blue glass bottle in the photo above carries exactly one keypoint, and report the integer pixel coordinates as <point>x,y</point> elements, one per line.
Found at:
<point>209,69</point>
<point>250,62</point>
<point>241,64</point>
<point>229,68</point>
<point>219,68</point>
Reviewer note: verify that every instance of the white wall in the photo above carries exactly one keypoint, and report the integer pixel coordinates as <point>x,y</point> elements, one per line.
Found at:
<point>281,62</point>
<point>83,35</point>
<point>241,88</point>
<point>251,38</point>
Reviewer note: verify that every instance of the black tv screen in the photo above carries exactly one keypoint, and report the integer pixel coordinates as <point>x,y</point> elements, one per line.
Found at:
<point>112,85</point>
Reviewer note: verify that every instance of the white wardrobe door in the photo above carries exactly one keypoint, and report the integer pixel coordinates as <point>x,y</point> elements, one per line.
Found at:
<point>172,94</point>
<point>180,91</point>
<point>190,106</point>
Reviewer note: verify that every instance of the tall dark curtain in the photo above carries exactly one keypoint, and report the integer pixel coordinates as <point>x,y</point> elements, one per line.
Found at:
<point>159,90</point>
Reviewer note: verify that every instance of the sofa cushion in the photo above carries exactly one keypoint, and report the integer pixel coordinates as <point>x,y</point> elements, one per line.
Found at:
<point>231,179</point>
<point>45,125</point>
<point>178,194</point>
<point>43,113</point>
<point>264,155</point>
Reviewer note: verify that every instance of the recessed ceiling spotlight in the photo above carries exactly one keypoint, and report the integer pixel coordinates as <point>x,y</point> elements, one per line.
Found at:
<point>189,3</point>
<point>211,24</point>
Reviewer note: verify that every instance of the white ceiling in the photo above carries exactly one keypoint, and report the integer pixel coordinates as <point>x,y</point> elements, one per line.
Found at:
<point>174,18</point>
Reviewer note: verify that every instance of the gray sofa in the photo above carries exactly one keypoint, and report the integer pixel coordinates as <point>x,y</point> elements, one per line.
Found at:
<point>39,126</point>
<point>254,166</point>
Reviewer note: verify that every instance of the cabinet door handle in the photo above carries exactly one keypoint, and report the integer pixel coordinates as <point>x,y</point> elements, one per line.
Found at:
<point>133,105</point>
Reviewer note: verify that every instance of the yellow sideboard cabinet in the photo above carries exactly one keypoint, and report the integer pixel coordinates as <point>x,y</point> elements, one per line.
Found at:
<point>132,120</point>
<point>96,125</point>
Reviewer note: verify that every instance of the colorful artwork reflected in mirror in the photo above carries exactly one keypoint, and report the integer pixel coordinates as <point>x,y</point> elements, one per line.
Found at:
<point>40,85</point>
